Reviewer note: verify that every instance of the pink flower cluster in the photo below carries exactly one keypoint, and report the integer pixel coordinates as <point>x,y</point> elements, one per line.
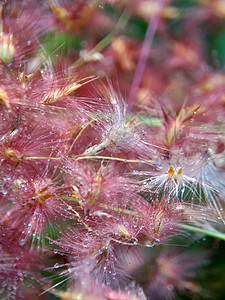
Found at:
<point>89,179</point>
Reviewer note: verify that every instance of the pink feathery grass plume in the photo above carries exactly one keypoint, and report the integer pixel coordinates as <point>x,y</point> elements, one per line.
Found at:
<point>20,28</point>
<point>94,256</point>
<point>189,163</point>
<point>174,272</point>
<point>88,288</point>
<point>208,90</point>
<point>56,83</point>
<point>97,183</point>
<point>104,192</point>
<point>96,243</point>
<point>61,123</point>
<point>94,185</point>
<point>34,202</point>
<point>117,132</point>
<point>27,139</point>
<point>18,280</point>
<point>72,16</point>
<point>190,178</point>
<point>207,11</point>
<point>11,91</point>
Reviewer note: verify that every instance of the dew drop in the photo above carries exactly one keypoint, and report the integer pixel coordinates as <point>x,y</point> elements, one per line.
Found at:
<point>4,283</point>
<point>22,242</point>
<point>4,192</point>
<point>56,266</point>
<point>170,287</point>
<point>20,274</point>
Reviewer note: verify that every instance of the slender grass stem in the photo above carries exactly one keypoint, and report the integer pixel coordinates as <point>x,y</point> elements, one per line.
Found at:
<point>77,137</point>
<point>120,210</point>
<point>115,158</point>
<point>42,157</point>
<point>91,157</point>
<point>106,41</point>
<point>145,50</point>
<point>216,234</point>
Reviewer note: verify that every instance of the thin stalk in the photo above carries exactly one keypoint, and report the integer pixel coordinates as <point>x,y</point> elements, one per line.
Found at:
<point>120,210</point>
<point>77,137</point>
<point>145,50</point>
<point>114,158</point>
<point>215,234</point>
<point>106,41</point>
<point>91,157</point>
<point>42,157</point>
